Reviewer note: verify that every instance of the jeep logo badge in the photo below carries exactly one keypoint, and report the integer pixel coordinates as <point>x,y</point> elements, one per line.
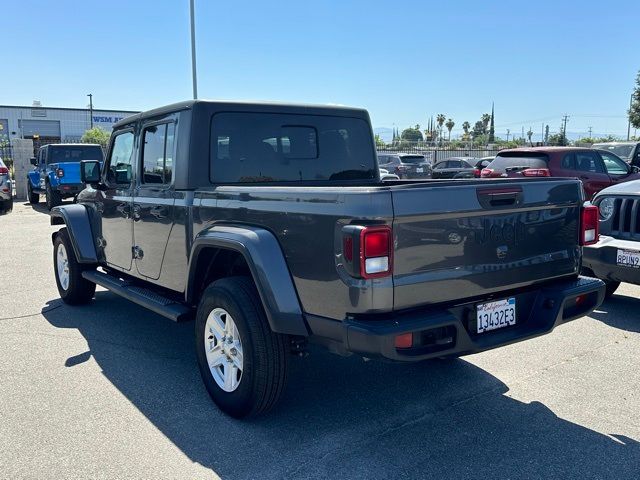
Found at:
<point>501,251</point>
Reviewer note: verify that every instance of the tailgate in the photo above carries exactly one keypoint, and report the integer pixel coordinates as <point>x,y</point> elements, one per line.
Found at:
<point>468,239</point>
<point>71,172</point>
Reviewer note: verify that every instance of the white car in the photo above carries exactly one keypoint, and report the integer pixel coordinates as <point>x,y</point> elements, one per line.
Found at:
<point>385,175</point>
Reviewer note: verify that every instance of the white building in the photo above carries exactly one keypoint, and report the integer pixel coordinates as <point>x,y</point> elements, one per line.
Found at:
<point>53,124</point>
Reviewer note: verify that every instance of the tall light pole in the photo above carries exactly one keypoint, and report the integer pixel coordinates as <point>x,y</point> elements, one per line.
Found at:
<point>193,50</point>
<point>90,110</point>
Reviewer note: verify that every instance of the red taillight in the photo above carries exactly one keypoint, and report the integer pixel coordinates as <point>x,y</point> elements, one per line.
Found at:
<point>477,172</point>
<point>375,252</point>
<point>404,341</point>
<point>536,172</point>
<point>367,251</point>
<point>589,225</point>
<point>60,173</point>
<point>486,172</point>
<point>4,171</point>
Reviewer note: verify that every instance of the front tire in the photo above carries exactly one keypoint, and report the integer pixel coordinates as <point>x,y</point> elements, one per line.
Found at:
<point>73,288</point>
<point>242,362</point>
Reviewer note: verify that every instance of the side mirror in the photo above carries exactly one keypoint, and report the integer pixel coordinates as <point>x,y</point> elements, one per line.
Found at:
<point>33,161</point>
<point>634,169</point>
<point>90,171</point>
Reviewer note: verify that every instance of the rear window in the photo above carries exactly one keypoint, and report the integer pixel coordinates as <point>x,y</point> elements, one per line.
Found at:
<point>502,162</point>
<point>265,147</point>
<point>412,159</point>
<point>74,154</point>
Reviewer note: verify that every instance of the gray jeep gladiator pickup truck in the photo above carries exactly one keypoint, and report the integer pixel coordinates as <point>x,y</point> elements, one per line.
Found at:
<point>270,225</point>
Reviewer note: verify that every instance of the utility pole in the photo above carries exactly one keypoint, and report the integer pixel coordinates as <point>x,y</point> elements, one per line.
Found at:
<point>90,110</point>
<point>193,50</point>
<point>564,130</point>
<point>508,133</point>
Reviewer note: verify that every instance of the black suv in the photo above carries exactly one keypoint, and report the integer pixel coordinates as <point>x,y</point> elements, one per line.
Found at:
<point>405,165</point>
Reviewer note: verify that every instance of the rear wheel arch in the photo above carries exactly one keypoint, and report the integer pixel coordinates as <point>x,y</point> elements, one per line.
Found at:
<point>254,253</point>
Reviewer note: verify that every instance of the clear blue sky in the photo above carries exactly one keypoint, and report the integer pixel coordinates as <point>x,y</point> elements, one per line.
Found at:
<point>402,60</point>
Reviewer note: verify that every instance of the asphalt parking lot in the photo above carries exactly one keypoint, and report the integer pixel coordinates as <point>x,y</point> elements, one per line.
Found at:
<point>110,390</point>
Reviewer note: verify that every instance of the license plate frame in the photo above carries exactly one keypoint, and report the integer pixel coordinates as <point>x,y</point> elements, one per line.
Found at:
<point>496,315</point>
<point>628,258</point>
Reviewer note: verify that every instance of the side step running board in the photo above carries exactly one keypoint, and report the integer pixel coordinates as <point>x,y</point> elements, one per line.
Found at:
<point>142,296</point>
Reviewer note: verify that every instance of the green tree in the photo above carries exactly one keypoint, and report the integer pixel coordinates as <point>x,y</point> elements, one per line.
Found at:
<point>634,111</point>
<point>556,139</point>
<point>412,134</point>
<point>478,129</point>
<point>485,119</point>
<point>96,135</point>
<point>450,124</point>
<point>530,134</point>
<point>466,126</point>
<point>379,141</point>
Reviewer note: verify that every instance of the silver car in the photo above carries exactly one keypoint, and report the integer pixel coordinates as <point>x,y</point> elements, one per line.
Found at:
<point>6,191</point>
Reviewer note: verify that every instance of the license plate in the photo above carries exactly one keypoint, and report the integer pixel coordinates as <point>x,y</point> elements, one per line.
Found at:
<point>419,170</point>
<point>494,315</point>
<point>628,258</point>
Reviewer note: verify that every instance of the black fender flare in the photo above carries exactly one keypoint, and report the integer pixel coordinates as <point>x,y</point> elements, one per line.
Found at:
<point>76,218</point>
<point>265,259</point>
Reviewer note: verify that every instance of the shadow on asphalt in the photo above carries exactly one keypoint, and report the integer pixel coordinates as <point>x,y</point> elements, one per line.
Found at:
<point>340,417</point>
<point>620,312</point>
<point>38,207</point>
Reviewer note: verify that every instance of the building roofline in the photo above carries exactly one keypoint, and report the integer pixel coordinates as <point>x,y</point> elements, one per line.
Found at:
<point>70,108</point>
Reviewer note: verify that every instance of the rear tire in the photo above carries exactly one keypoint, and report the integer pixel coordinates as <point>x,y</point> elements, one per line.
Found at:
<point>612,286</point>
<point>260,375</point>
<point>53,197</point>
<point>34,198</point>
<point>73,288</point>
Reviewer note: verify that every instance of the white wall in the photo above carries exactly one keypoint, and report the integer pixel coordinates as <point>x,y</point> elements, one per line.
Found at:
<point>73,123</point>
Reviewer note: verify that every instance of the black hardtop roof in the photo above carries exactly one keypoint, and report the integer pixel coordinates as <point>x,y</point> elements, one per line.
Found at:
<point>274,107</point>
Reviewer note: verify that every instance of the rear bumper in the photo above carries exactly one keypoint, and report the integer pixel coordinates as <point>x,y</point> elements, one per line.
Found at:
<point>69,189</point>
<point>442,332</point>
<point>601,259</point>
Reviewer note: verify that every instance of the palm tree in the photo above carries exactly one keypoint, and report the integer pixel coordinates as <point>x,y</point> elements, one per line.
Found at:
<point>530,134</point>
<point>450,124</point>
<point>440,119</point>
<point>485,119</point>
<point>466,126</point>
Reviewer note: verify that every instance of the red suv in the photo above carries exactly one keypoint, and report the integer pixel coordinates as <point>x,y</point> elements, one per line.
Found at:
<point>596,168</point>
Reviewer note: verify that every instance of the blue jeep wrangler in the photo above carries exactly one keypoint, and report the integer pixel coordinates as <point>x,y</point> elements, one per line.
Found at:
<point>57,171</point>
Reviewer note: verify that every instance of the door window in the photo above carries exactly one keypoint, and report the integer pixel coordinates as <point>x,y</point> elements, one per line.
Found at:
<point>119,169</point>
<point>613,164</point>
<point>454,164</point>
<point>157,153</point>
<point>569,162</point>
<point>588,162</point>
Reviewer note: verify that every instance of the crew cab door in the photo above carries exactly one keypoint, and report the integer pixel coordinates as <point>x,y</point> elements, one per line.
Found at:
<point>153,202</point>
<point>115,202</point>
<point>618,169</point>
<point>587,166</point>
